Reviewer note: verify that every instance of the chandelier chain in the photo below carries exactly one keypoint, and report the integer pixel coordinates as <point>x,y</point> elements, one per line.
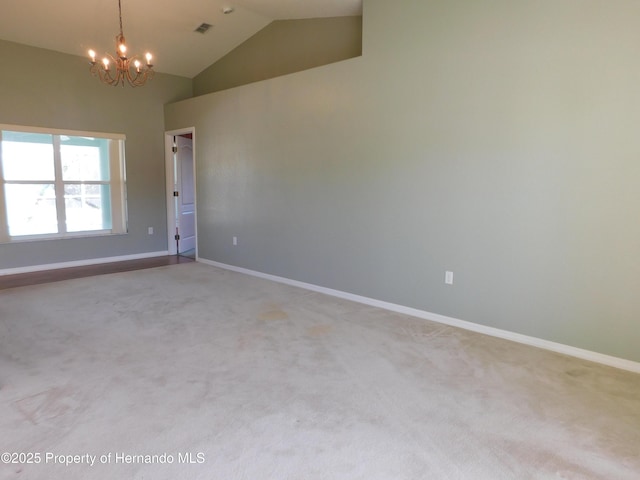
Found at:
<point>120,12</point>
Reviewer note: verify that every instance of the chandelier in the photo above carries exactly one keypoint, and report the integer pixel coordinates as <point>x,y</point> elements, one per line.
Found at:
<point>125,69</point>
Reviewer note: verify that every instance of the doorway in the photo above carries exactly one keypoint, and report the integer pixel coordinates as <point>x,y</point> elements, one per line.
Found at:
<point>181,193</point>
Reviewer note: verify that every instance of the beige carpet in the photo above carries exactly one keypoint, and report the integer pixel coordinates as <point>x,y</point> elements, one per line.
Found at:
<point>233,377</point>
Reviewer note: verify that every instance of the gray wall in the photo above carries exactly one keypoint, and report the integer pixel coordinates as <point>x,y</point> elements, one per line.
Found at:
<point>284,46</point>
<point>496,139</point>
<point>47,89</point>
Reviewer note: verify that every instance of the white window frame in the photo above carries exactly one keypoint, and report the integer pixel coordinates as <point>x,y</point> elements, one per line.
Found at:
<point>117,184</point>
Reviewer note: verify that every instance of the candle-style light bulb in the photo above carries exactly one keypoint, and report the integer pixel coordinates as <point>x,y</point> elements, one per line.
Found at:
<point>137,64</point>
<point>92,54</point>
<point>106,63</point>
<point>149,57</point>
<point>123,49</point>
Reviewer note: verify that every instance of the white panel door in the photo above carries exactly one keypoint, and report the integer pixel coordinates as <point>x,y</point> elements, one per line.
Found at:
<point>186,220</point>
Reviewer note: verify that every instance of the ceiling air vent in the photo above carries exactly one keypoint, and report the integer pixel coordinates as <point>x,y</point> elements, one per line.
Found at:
<point>203,28</point>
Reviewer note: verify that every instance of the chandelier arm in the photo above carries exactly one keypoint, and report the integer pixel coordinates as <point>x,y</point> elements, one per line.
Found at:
<point>140,77</point>
<point>105,75</point>
<point>146,75</point>
<point>108,79</point>
<point>114,80</point>
<point>129,78</point>
<point>99,71</point>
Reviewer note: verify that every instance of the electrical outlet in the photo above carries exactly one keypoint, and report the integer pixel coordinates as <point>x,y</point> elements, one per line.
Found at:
<point>150,230</point>
<point>448,278</point>
<point>235,241</point>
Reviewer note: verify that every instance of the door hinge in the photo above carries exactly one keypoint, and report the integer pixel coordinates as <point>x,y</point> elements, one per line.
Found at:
<point>175,149</point>
<point>177,237</point>
<point>176,194</point>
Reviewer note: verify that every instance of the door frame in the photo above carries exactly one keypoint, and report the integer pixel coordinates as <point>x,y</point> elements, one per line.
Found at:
<point>170,182</point>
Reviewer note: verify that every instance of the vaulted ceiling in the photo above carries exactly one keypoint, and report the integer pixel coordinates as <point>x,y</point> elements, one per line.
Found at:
<point>163,27</point>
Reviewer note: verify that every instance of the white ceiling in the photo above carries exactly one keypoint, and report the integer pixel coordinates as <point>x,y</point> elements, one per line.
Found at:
<point>163,27</point>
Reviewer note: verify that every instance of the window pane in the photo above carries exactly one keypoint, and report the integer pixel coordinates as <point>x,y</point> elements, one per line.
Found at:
<point>88,207</point>
<point>27,156</point>
<point>87,170</point>
<point>31,209</point>
<point>84,159</point>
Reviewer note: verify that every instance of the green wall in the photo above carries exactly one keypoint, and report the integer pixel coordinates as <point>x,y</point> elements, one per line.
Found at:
<point>48,89</point>
<point>493,138</point>
<point>282,47</point>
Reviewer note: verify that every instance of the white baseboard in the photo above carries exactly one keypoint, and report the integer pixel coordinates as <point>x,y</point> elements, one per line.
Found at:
<point>596,357</point>
<point>80,263</point>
